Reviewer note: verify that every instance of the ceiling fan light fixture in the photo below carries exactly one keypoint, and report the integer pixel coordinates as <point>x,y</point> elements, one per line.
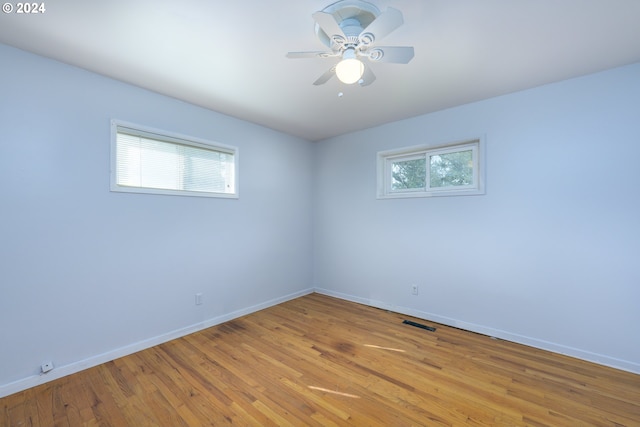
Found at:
<point>351,29</point>
<point>350,69</point>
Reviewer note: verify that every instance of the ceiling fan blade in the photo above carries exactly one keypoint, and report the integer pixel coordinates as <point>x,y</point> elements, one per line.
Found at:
<point>392,54</point>
<point>325,77</point>
<point>385,23</point>
<point>367,77</point>
<point>329,25</point>
<point>313,54</point>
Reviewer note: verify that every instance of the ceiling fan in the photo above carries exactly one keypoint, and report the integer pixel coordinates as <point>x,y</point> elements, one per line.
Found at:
<point>352,29</point>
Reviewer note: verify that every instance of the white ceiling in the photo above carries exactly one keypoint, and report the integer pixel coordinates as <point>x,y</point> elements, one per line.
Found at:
<point>229,56</point>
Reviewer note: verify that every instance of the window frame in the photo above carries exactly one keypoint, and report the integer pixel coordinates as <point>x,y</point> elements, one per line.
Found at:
<point>385,160</point>
<point>171,138</point>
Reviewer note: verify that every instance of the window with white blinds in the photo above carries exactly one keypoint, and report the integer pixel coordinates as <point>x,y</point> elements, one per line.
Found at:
<point>150,161</point>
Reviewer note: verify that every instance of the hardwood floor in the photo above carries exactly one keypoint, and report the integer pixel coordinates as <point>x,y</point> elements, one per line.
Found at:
<point>322,361</point>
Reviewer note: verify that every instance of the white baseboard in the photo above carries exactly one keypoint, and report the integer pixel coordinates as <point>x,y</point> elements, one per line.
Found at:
<point>72,368</point>
<point>62,371</point>
<point>600,359</point>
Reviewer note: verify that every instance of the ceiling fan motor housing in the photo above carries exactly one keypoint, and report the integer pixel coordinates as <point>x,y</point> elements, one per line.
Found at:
<point>353,16</point>
<point>351,28</point>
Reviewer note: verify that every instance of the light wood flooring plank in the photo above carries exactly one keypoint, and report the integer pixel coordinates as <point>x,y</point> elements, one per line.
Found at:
<point>321,361</point>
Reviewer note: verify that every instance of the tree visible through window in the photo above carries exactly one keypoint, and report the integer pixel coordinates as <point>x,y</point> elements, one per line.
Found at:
<point>409,174</point>
<point>426,171</point>
<point>452,169</point>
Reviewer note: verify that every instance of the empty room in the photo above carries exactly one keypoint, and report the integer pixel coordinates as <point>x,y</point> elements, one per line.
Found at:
<point>307,212</point>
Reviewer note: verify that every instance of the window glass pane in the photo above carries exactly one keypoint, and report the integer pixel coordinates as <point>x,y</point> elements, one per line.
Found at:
<point>159,165</point>
<point>408,174</point>
<point>451,169</point>
<point>128,157</point>
<point>205,170</point>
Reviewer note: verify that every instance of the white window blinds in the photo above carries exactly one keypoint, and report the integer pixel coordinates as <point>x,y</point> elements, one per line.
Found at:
<point>150,161</point>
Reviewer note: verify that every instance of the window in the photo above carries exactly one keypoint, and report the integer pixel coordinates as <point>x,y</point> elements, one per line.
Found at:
<point>149,161</point>
<point>425,171</point>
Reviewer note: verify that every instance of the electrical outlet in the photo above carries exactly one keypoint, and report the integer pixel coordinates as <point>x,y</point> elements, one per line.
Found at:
<point>46,367</point>
<point>198,299</point>
<point>414,289</point>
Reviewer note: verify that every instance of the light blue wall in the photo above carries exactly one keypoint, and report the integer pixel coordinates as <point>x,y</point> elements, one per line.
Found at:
<point>549,256</point>
<point>85,273</point>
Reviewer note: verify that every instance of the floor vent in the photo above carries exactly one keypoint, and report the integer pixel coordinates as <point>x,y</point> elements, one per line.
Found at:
<point>419,325</point>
